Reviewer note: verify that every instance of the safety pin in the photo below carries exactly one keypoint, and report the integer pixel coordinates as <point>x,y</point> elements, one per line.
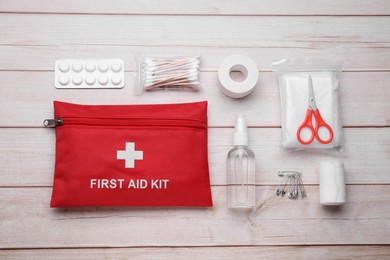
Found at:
<point>291,185</point>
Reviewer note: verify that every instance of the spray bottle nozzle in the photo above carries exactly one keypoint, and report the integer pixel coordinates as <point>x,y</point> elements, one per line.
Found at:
<point>240,131</point>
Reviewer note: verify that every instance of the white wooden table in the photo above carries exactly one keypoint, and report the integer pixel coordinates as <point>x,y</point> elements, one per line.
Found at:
<point>34,33</point>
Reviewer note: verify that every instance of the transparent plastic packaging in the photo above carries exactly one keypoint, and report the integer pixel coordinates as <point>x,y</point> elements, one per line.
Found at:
<point>299,81</point>
<point>241,169</point>
<point>166,72</point>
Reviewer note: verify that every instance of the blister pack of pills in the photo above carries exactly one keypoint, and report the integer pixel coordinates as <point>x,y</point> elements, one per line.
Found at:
<point>89,73</point>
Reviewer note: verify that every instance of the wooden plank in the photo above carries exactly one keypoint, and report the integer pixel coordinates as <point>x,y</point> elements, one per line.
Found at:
<point>215,29</point>
<point>27,156</point>
<point>252,252</point>
<point>28,222</point>
<point>26,99</point>
<point>203,7</point>
<point>242,31</point>
<point>372,56</point>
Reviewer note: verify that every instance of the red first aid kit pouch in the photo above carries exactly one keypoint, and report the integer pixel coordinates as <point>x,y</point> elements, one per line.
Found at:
<point>131,155</point>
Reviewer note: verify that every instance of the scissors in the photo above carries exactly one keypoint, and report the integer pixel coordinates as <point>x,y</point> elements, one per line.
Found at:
<point>308,122</point>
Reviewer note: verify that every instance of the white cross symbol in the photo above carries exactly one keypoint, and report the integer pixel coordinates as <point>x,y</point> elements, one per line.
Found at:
<point>129,155</point>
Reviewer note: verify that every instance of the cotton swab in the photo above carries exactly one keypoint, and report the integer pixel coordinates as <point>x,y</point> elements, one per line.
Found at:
<point>174,72</point>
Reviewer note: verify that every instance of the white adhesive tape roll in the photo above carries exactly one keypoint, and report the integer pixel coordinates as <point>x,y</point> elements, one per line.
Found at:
<point>246,66</point>
<point>332,183</point>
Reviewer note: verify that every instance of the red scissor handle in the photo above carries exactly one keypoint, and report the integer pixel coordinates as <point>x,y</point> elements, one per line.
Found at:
<point>308,124</point>
<point>321,123</point>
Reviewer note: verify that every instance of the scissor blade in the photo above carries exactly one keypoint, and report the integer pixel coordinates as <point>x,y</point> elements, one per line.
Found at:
<point>312,101</point>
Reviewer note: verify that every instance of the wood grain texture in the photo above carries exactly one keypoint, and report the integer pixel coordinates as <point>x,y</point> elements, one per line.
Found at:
<point>34,33</point>
<point>367,57</point>
<point>364,96</point>
<point>226,31</point>
<point>252,252</point>
<point>27,156</point>
<point>28,222</point>
<point>204,7</point>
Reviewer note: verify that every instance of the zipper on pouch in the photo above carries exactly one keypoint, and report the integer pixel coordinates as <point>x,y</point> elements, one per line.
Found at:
<point>89,121</point>
<point>52,122</point>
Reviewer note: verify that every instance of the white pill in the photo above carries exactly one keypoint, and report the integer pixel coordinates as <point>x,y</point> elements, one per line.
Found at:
<point>64,67</point>
<point>90,66</point>
<point>90,79</point>
<point>116,66</point>
<point>103,80</point>
<point>116,79</point>
<point>64,79</point>
<point>77,66</point>
<point>77,79</point>
<point>103,66</point>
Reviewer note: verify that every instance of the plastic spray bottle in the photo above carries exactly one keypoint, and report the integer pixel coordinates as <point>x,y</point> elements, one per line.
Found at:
<point>241,169</point>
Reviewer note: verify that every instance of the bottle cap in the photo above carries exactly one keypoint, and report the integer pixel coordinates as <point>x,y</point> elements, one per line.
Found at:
<point>240,136</point>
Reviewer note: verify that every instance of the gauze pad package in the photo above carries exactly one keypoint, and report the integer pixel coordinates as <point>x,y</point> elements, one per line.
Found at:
<point>310,107</point>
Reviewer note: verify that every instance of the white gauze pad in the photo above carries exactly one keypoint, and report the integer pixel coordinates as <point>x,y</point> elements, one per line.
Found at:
<point>294,99</point>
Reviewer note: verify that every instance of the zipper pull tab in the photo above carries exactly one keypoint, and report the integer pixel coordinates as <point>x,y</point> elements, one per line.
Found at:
<point>52,122</point>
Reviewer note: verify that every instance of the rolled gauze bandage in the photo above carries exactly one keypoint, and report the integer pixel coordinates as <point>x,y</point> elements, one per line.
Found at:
<point>332,183</point>
<point>246,66</point>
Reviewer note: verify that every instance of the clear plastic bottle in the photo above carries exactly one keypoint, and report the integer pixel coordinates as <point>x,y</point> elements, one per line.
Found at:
<point>241,169</point>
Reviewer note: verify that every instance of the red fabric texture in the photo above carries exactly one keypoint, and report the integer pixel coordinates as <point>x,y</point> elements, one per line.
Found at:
<point>131,155</point>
